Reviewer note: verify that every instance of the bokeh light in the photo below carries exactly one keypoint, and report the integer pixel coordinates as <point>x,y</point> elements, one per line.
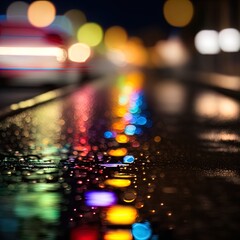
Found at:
<point>128,159</point>
<point>119,234</point>
<point>90,34</point>
<point>171,53</point>
<point>117,152</point>
<point>62,24</point>
<point>100,198</point>
<point>17,11</point>
<point>141,231</point>
<point>41,13</point>
<point>77,19</point>
<point>135,52</point>
<point>206,42</point>
<point>122,215</point>
<point>85,232</point>
<point>178,13</point>
<point>115,37</point>
<point>122,138</point>
<point>229,40</point>
<point>118,182</point>
<point>79,52</point>
<point>216,106</point>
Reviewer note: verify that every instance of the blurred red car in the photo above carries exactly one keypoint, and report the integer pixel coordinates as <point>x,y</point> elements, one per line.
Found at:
<point>34,56</point>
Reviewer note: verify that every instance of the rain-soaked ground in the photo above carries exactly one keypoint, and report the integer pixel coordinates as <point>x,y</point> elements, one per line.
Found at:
<point>133,157</point>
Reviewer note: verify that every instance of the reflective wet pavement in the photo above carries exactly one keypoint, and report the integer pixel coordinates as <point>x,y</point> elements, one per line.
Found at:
<point>137,157</point>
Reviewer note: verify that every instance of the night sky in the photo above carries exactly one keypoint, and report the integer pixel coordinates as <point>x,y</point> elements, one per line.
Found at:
<point>134,15</point>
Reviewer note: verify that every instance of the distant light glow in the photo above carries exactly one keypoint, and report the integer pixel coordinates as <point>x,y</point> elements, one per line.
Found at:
<point>128,159</point>
<point>79,52</point>
<point>216,106</point>
<point>229,40</point>
<point>141,231</point>
<point>178,13</point>
<point>122,215</point>
<point>41,13</point>
<point>90,34</point>
<point>77,18</point>
<point>119,234</point>
<point>17,11</point>
<point>171,52</point>
<point>100,198</point>
<point>206,42</point>
<point>63,24</point>
<point>118,182</point>
<point>115,37</point>
<point>135,52</point>
<point>117,57</point>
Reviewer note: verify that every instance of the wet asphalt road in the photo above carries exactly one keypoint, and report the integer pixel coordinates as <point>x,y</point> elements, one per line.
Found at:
<point>171,150</point>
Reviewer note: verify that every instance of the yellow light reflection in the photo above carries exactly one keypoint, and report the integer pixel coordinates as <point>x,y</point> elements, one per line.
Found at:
<point>122,138</point>
<point>216,106</point>
<point>120,152</point>
<point>119,234</point>
<point>41,13</point>
<point>178,13</point>
<point>129,195</point>
<point>118,126</point>
<point>115,37</point>
<point>90,34</point>
<point>122,215</point>
<point>118,182</point>
<point>79,52</point>
<point>123,175</point>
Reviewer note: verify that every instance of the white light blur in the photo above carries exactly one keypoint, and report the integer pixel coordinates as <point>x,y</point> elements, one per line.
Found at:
<point>170,97</point>
<point>172,52</point>
<point>206,42</point>
<point>79,52</point>
<point>117,57</point>
<point>59,53</point>
<point>211,105</point>
<point>229,40</point>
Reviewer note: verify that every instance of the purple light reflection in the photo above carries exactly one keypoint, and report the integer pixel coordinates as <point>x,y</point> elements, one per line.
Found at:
<point>98,198</point>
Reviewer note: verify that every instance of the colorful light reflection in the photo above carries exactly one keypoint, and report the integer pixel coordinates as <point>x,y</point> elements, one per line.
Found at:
<point>119,234</point>
<point>122,215</point>
<point>141,231</point>
<point>118,182</point>
<point>100,198</point>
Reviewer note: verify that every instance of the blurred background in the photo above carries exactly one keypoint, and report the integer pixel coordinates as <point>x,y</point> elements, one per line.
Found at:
<point>119,120</point>
<point>201,35</point>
